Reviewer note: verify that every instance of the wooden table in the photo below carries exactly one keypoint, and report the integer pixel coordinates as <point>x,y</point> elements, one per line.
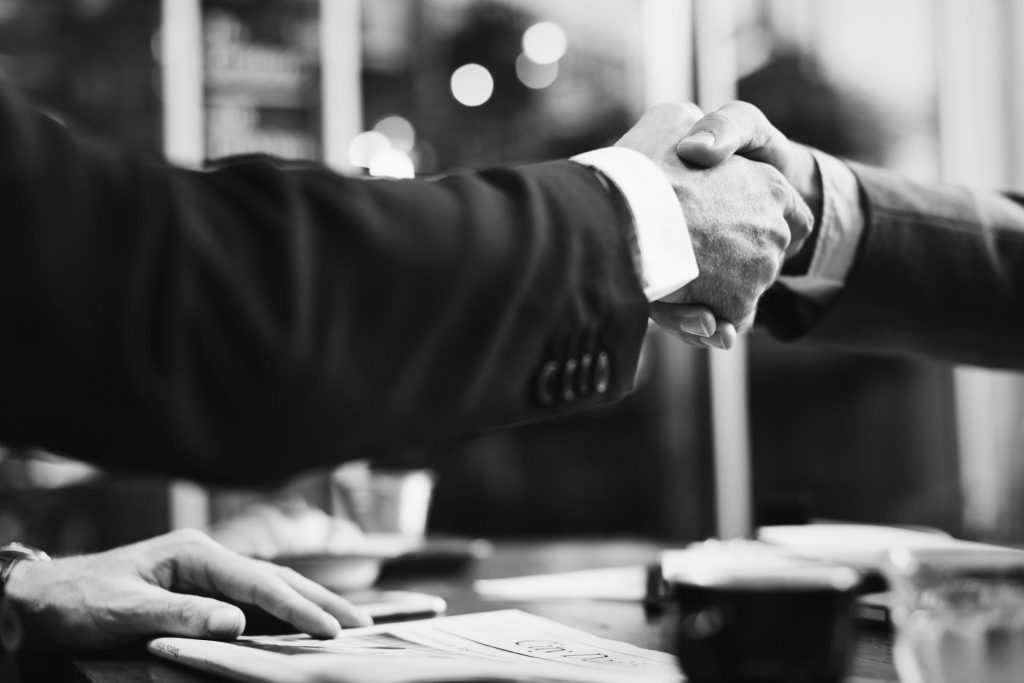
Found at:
<point>620,621</point>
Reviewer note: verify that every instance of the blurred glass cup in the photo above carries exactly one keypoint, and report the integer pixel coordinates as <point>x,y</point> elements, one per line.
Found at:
<point>383,502</point>
<point>959,615</point>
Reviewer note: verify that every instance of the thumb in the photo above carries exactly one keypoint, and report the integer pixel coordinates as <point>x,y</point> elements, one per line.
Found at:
<point>174,614</point>
<point>736,127</point>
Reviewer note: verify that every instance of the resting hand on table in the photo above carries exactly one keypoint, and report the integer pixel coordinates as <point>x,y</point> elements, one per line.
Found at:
<point>166,585</point>
<point>740,128</point>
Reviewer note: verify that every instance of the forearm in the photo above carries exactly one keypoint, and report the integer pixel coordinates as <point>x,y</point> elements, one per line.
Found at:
<point>935,274</point>
<point>253,320</point>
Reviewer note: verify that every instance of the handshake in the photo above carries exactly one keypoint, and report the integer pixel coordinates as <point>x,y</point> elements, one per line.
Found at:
<point>747,194</point>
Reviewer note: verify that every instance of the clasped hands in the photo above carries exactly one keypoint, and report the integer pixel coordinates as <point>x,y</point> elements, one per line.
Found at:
<point>747,194</point>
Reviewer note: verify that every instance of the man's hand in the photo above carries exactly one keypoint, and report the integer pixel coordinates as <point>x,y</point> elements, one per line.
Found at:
<point>694,325</point>
<point>740,215</point>
<point>739,128</point>
<point>160,587</point>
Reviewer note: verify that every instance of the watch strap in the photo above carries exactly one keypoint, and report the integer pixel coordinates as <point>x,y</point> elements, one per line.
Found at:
<point>13,553</point>
<point>11,629</point>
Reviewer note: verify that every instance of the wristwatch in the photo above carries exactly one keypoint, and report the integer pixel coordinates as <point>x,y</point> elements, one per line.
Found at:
<point>11,632</point>
<point>13,553</point>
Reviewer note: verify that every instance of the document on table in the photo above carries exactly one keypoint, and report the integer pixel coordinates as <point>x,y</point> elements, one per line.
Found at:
<point>506,645</point>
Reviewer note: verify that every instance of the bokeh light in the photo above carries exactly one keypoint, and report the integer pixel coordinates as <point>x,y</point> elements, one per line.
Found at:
<point>365,147</point>
<point>545,42</point>
<point>393,163</point>
<point>399,131</point>
<point>472,85</point>
<point>534,75</point>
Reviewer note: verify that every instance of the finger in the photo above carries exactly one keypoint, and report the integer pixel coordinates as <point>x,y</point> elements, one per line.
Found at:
<point>689,339</point>
<point>346,613</point>
<point>725,337</point>
<point>677,319</point>
<point>174,614</point>
<point>208,566</point>
<point>697,321</point>
<point>799,218</point>
<point>660,126</point>
<point>674,116</point>
<point>737,127</point>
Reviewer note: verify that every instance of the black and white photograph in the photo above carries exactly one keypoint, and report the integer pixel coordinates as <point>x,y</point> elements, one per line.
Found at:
<point>568,341</point>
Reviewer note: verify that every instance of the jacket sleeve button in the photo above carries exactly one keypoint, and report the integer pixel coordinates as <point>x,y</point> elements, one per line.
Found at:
<point>569,380</point>
<point>602,373</point>
<point>544,386</point>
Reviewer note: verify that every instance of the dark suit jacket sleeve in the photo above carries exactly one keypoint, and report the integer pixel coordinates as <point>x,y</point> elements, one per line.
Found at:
<point>939,272</point>
<point>253,321</point>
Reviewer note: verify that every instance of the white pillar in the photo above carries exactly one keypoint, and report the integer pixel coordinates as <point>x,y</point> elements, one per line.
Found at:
<point>716,62</point>
<point>341,70</point>
<point>181,65</point>
<point>667,45</point>
<point>980,105</point>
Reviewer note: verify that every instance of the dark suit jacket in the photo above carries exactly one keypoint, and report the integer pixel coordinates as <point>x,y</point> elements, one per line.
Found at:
<point>939,272</point>
<point>252,321</point>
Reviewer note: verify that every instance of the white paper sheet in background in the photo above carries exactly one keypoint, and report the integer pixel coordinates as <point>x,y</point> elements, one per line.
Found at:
<point>862,545</point>
<point>779,547</point>
<point>620,584</point>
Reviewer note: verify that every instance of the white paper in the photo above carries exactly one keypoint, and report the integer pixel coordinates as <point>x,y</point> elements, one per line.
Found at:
<point>863,545</point>
<point>626,584</point>
<point>507,645</point>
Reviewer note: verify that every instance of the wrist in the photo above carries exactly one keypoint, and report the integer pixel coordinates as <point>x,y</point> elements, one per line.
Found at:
<point>18,580</point>
<point>13,557</point>
<point>663,247</point>
<point>16,561</point>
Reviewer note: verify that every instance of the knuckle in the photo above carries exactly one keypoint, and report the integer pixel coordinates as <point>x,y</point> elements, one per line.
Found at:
<point>744,108</point>
<point>288,573</point>
<point>191,539</point>
<point>184,612</point>
<point>718,118</point>
<point>776,180</point>
<point>188,536</point>
<point>780,237</point>
<point>678,110</point>
<point>781,191</point>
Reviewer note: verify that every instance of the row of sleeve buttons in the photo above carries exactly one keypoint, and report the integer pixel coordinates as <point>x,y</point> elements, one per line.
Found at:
<point>572,379</point>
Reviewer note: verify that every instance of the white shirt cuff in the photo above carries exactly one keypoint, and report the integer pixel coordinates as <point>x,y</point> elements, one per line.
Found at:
<point>842,223</point>
<point>666,254</point>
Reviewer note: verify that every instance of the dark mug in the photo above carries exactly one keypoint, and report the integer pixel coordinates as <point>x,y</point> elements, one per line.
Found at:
<point>793,625</point>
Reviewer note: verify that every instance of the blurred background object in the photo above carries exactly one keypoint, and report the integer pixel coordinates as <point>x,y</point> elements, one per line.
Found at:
<point>957,614</point>
<point>389,502</point>
<point>397,88</point>
<point>287,525</point>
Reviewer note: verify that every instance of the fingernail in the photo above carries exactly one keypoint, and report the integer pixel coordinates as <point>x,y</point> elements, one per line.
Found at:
<point>701,137</point>
<point>717,342</point>
<point>331,625</point>
<point>362,618</point>
<point>695,325</point>
<point>226,622</point>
